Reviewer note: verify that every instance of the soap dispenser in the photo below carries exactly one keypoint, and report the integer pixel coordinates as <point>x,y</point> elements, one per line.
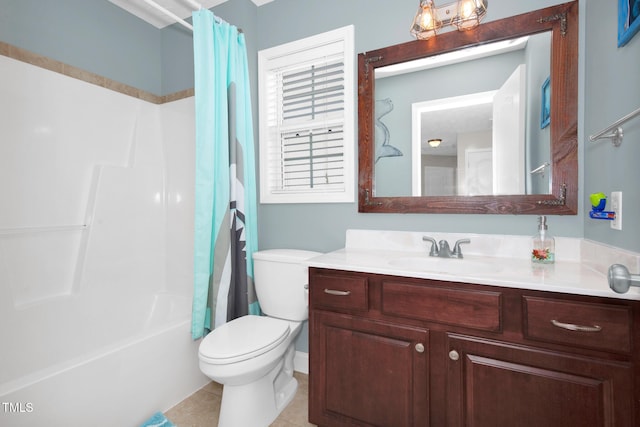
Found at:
<point>544,246</point>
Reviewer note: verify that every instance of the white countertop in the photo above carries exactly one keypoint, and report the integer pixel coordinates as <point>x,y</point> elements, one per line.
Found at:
<point>404,254</point>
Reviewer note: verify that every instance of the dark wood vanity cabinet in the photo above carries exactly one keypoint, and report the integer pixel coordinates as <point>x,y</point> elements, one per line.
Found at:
<point>392,351</point>
<point>496,384</point>
<point>370,373</point>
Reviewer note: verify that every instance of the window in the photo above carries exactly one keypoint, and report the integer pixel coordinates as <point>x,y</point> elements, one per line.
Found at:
<point>306,120</point>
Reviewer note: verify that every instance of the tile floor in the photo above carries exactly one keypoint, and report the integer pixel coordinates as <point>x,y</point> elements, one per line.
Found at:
<point>201,409</point>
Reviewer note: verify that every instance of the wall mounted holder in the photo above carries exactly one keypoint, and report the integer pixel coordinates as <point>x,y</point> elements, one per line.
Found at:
<point>610,215</point>
<point>598,203</point>
<point>615,130</point>
<point>540,169</point>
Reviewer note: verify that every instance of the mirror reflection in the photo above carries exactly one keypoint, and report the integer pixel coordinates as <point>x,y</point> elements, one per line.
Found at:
<point>470,122</point>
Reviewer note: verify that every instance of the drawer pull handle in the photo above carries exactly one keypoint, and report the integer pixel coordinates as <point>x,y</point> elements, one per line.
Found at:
<point>453,355</point>
<point>420,347</point>
<point>339,293</point>
<point>579,328</point>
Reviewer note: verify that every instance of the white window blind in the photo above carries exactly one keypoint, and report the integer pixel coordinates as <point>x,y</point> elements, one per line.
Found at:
<point>306,120</point>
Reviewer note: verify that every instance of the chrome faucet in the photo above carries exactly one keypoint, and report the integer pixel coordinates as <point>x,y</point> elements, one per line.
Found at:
<point>444,251</point>
<point>434,245</point>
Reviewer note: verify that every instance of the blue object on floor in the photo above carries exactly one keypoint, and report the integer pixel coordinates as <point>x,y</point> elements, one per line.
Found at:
<point>158,420</point>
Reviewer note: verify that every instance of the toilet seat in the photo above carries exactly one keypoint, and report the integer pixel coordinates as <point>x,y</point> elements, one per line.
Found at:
<point>243,338</point>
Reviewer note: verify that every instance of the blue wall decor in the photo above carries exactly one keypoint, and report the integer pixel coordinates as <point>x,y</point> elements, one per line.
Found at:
<point>628,20</point>
<point>545,110</point>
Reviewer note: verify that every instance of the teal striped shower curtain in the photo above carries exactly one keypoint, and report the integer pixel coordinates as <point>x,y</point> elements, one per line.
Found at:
<point>225,188</point>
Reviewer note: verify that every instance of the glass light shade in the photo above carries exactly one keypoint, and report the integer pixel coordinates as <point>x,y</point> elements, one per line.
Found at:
<point>426,22</point>
<point>434,142</point>
<point>470,13</point>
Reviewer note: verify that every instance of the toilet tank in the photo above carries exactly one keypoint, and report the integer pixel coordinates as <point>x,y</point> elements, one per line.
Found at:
<point>280,278</point>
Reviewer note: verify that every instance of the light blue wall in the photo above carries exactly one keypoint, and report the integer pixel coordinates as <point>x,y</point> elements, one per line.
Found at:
<point>97,36</point>
<point>538,140</point>
<point>612,82</point>
<point>94,35</point>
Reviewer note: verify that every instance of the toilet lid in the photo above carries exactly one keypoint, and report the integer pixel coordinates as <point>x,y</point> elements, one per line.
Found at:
<point>243,338</point>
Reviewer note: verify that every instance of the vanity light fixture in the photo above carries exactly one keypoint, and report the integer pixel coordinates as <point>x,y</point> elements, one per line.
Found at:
<point>434,142</point>
<point>426,22</point>
<point>463,14</point>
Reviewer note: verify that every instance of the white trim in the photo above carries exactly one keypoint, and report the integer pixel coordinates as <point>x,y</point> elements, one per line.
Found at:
<point>301,362</point>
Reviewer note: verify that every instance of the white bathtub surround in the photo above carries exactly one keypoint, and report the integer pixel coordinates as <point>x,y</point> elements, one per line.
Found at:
<point>503,260</point>
<point>95,251</point>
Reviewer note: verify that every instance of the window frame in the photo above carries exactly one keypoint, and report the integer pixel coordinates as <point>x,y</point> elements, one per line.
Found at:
<point>291,55</point>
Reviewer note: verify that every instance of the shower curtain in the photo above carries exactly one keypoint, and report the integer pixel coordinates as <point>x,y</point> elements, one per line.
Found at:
<point>225,189</point>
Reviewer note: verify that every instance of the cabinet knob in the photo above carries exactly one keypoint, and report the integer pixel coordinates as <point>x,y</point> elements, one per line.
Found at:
<point>453,355</point>
<point>420,347</point>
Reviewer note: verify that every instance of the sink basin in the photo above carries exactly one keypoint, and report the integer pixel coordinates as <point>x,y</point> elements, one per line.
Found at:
<point>446,265</point>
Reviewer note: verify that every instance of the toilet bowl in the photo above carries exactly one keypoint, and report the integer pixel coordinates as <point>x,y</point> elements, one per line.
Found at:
<point>252,356</point>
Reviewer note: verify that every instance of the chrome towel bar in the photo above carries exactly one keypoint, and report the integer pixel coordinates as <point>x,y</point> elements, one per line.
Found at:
<point>615,130</point>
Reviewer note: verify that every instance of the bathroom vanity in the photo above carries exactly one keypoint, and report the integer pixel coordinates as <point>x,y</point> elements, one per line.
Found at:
<point>397,339</point>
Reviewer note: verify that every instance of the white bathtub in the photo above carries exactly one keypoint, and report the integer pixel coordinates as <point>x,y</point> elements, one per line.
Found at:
<point>119,384</point>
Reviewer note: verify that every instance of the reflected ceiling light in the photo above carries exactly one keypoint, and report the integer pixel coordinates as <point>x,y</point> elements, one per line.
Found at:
<point>434,142</point>
<point>463,14</point>
<point>455,57</point>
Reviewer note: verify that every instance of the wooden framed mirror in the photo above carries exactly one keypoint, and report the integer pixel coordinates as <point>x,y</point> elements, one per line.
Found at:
<point>560,197</point>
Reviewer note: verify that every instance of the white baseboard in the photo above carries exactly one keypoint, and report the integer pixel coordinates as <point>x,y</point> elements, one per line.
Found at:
<point>301,362</point>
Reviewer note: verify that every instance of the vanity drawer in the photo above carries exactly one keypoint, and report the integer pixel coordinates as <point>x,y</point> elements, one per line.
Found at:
<point>597,326</point>
<point>460,307</point>
<point>350,293</point>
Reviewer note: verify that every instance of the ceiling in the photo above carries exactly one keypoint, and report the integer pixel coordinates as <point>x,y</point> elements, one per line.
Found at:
<point>447,124</point>
<point>181,8</point>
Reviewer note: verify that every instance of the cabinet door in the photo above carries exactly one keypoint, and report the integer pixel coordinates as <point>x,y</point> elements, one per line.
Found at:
<point>493,384</point>
<point>366,373</point>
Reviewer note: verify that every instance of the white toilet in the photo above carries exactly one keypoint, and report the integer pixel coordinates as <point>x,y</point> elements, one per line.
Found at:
<point>252,356</point>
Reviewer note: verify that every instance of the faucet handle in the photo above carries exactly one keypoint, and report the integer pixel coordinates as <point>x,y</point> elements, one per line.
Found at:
<point>457,253</point>
<point>434,245</point>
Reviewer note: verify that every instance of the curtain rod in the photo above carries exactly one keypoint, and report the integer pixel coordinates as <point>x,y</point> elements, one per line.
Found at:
<point>169,13</point>
<point>176,17</point>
